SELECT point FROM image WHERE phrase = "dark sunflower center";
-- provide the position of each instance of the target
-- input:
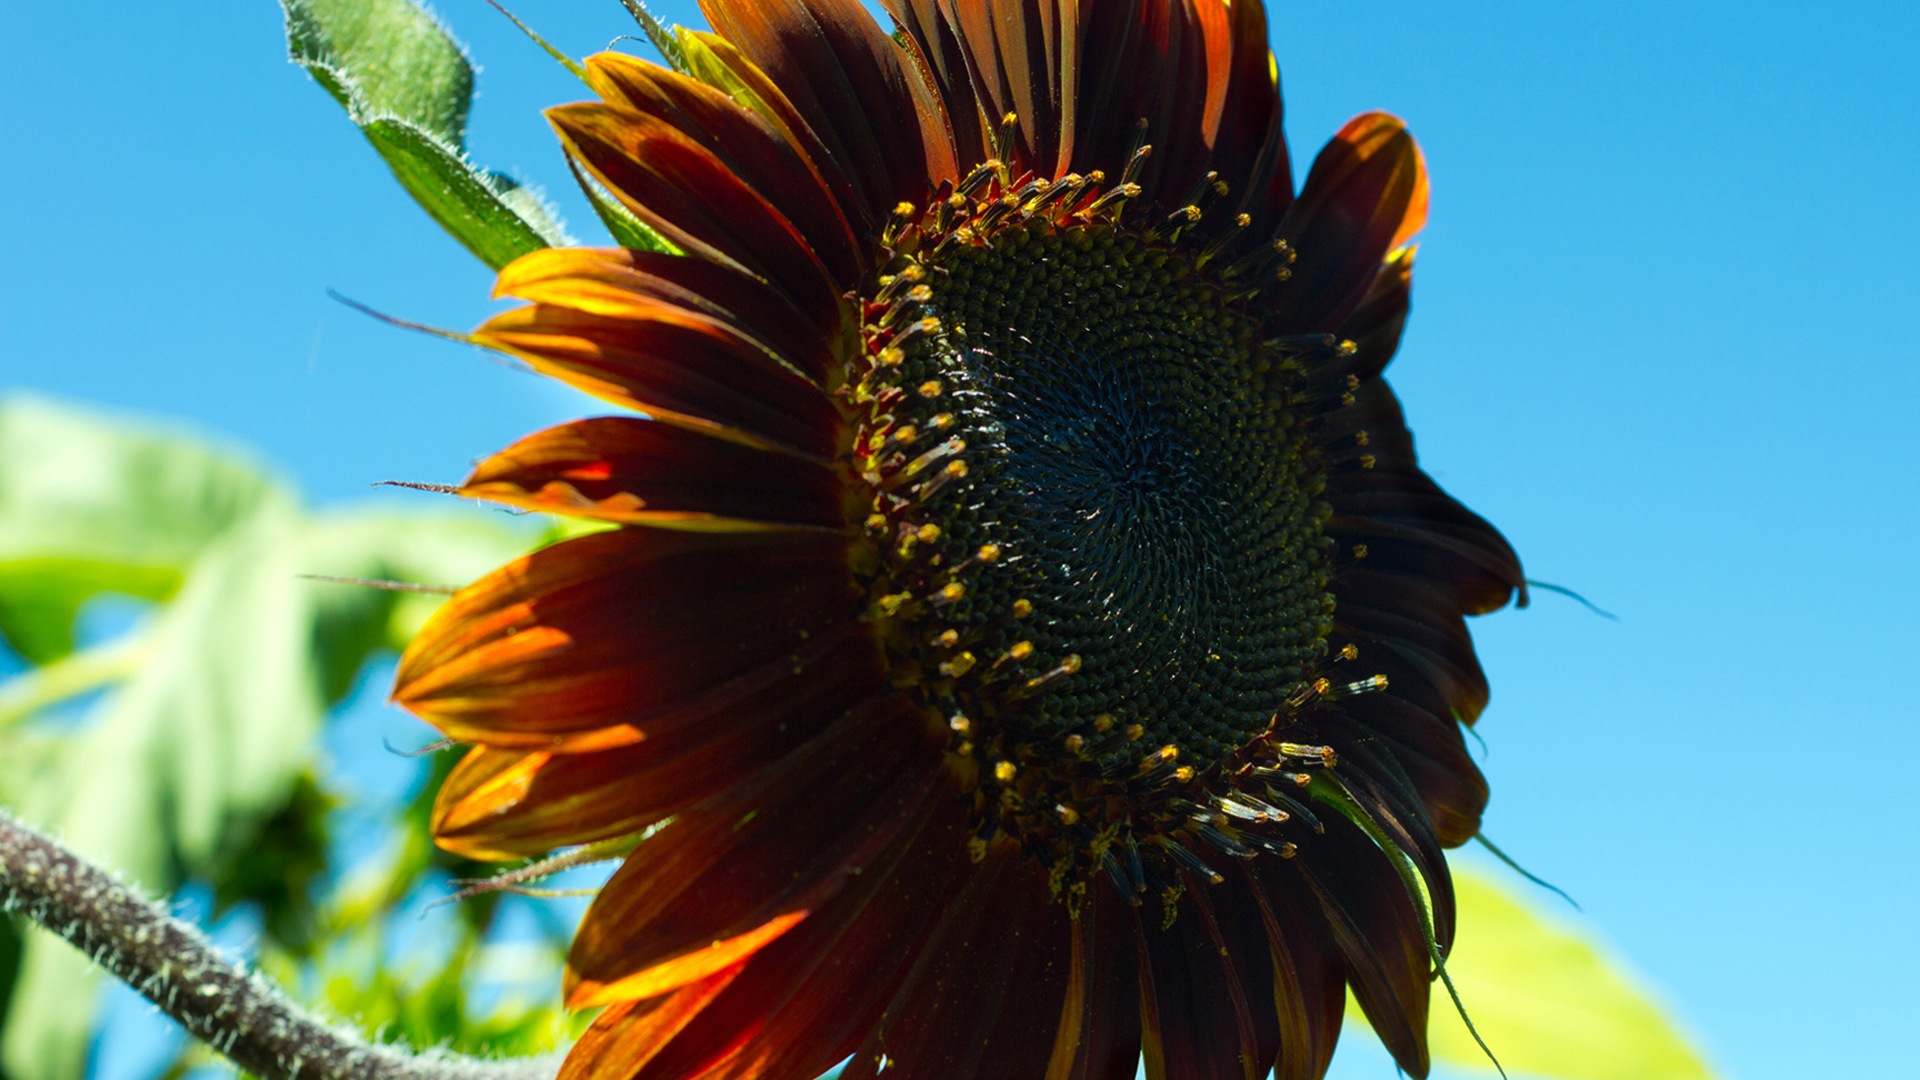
(1133, 527)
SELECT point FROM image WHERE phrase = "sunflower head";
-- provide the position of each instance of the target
(1028, 640)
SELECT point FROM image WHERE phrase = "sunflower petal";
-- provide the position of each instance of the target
(1309, 986)
(745, 141)
(642, 472)
(807, 1000)
(1365, 196)
(625, 1037)
(1200, 1010)
(727, 877)
(624, 284)
(691, 197)
(507, 803)
(852, 85)
(677, 365)
(616, 636)
(1379, 933)
(985, 989)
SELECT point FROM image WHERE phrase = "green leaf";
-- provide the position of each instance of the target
(386, 58)
(407, 84)
(1550, 1001)
(490, 215)
(92, 504)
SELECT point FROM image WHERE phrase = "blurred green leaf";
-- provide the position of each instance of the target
(88, 506)
(407, 85)
(206, 738)
(1549, 1000)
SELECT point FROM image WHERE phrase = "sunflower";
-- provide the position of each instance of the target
(1026, 640)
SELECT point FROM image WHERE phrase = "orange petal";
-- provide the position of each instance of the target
(1365, 197)
(749, 144)
(625, 1037)
(642, 472)
(853, 87)
(674, 364)
(503, 803)
(681, 189)
(642, 628)
(724, 878)
(622, 284)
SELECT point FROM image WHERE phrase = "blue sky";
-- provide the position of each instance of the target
(1663, 336)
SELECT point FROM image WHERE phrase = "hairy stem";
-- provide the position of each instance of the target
(173, 965)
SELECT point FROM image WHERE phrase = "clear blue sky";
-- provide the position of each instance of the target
(1664, 336)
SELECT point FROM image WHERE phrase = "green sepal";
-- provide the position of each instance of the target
(623, 224)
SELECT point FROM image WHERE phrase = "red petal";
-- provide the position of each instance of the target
(500, 804)
(642, 472)
(807, 1000)
(624, 1037)
(1099, 1036)
(727, 877)
(622, 284)
(1365, 196)
(639, 631)
(984, 997)
(680, 188)
(852, 85)
(1310, 989)
(746, 142)
(1199, 1021)
(1378, 931)
(676, 365)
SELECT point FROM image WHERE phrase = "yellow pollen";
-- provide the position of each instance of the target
(913, 272)
(928, 533)
(988, 553)
(1169, 752)
(1192, 212)
(928, 325)
(959, 723)
(942, 422)
(906, 435)
(958, 202)
(948, 639)
(1103, 723)
(1068, 815)
(930, 388)
(1348, 348)
(891, 605)
(1359, 551)
(905, 209)
(1134, 732)
(1243, 220)
(958, 666)
(920, 294)
(1184, 774)
(1021, 650)
(1072, 664)
(1075, 743)
(891, 356)
(1349, 651)
(956, 469)
(1353, 381)
(1362, 438)
(1022, 608)
(1321, 686)
(1005, 771)
(877, 522)
(952, 591)
(1282, 274)
(1368, 461)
